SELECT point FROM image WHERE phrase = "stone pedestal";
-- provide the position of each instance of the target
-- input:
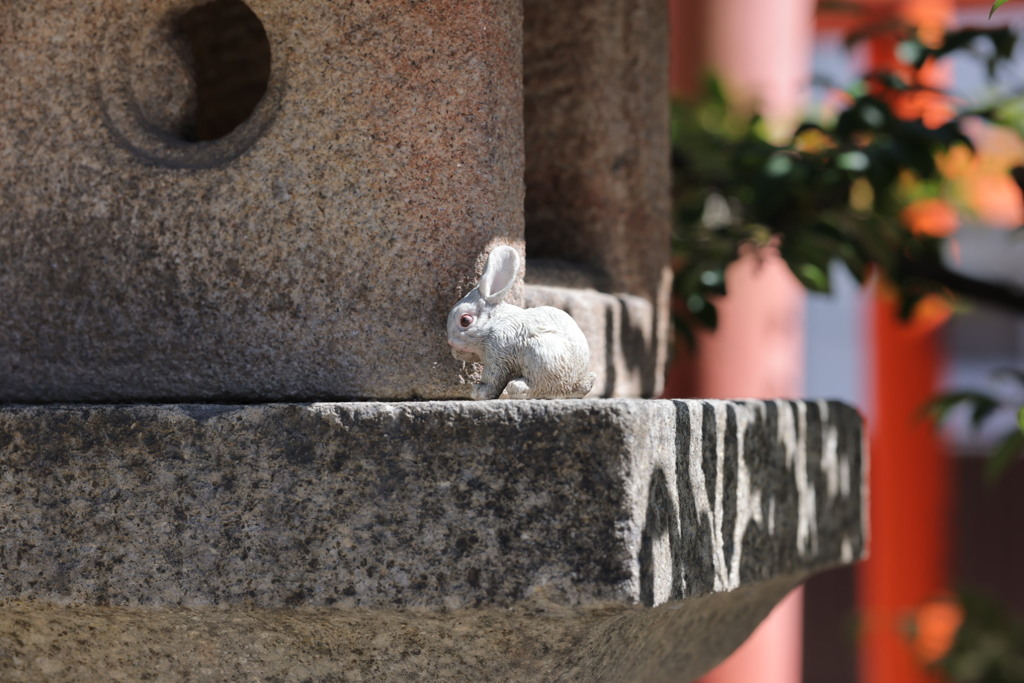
(505, 539)
(263, 201)
(310, 245)
(311, 252)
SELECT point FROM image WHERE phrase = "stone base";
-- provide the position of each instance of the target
(527, 643)
(391, 540)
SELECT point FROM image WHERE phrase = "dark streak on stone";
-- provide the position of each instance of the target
(695, 530)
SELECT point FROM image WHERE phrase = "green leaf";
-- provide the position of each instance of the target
(854, 261)
(813, 277)
(714, 280)
(911, 51)
(683, 328)
(703, 310)
(709, 316)
(996, 5)
(939, 407)
(1020, 419)
(778, 165)
(1004, 454)
(854, 160)
(982, 410)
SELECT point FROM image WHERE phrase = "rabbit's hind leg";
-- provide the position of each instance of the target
(518, 388)
(584, 386)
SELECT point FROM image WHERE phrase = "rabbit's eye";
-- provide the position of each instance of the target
(466, 320)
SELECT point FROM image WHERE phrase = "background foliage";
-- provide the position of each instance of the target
(835, 190)
(845, 189)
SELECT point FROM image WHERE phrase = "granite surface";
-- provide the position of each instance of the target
(596, 117)
(312, 252)
(508, 540)
(432, 504)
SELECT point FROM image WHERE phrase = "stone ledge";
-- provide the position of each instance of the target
(526, 643)
(440, 505)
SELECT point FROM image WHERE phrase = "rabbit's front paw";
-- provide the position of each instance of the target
(484, 392)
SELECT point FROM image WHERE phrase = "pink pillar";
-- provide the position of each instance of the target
(757, 352)
(758, 349)
(762, 53)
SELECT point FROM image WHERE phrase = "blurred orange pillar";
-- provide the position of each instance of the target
(762, 53)
(910, 477)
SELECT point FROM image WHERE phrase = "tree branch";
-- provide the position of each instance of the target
(1002, 295)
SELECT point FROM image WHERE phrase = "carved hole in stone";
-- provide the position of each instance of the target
(229, 55)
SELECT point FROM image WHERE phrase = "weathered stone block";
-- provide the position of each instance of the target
(311, 252)
(596, 113)
(538, 535)
(596, 104)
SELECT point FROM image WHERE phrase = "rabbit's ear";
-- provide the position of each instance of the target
(499, 274)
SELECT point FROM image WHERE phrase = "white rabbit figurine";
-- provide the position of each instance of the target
(528, 353)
